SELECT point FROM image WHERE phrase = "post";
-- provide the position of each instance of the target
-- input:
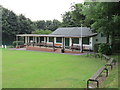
(70, 40)
(46, 41)
(81, 50)
(63, 42)
(106, 72)
(87, 83)
(53, 43)
(35, 39)
(97, 83)
(26, 39)
(38, 39)
(16, 40)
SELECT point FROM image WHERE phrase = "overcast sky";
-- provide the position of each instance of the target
(39, 9)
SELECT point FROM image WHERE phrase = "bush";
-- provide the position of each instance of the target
(96, 46)
(105, 49)
(18, 43)
(116, 47)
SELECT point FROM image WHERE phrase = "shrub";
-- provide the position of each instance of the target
(18, 43)
(116, 47)
(105, 49)
(96, 46)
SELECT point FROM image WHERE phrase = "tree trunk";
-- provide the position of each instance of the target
(112, 41)
(107, 38)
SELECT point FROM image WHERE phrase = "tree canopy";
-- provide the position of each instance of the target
(13, 24)
(105, 17)
(42, 31)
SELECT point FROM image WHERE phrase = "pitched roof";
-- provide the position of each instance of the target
(73, 31)
(66, 32)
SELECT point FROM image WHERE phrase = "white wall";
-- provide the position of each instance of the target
(99, 38)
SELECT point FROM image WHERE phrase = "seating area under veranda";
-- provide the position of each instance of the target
(53, 43)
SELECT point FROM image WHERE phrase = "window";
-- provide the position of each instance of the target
(58, 39)
(75, 40)
(51, 39)
(30, 38)
(85, 40)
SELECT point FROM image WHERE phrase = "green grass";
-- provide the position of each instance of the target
(30, 69)
(112, 80)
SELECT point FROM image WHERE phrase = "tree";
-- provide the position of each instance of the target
(41, 24)
(77, 17)
(25, 25)
(103, 15)
(42, 32)
(13, 24)
(55, 24)
(73, 18)
(67, 19)
(9, 25)
(48, 24)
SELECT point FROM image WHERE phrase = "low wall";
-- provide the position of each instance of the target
(57, 50)
(39, 49)
(72, 52)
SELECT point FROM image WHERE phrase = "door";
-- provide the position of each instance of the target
(66, 41)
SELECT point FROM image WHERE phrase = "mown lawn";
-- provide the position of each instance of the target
(30, 69)
(112, 80)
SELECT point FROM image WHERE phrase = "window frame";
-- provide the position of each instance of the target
(58, 41)
(83, 40)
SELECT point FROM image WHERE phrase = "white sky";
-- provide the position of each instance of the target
(39, 9)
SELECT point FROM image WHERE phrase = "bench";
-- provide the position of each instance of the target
(39, 44)
(106, 57)
(58, 45)
(110, 63)
(76, 47)
(96, 75)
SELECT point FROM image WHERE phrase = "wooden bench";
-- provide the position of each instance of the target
(40, 44)
(110, 63)
(106, 57)
(58, 45)
(76, 47)
(96, 75)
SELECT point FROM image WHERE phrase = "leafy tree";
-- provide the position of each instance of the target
(41, 24)
(55, 25)
(25, 25)
(9, 25)
(42, 32)
(50, 25)
(13, 24)
(105, 17)
(77, 17)
(73, 18)
(67, 19)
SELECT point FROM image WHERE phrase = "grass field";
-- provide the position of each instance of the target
(112, 80)
(30, 69)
